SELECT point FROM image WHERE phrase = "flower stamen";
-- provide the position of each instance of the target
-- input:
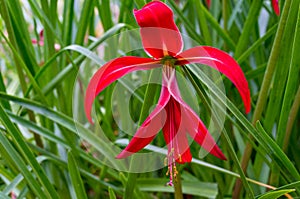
(172, 169)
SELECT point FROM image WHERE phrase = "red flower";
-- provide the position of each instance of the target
(208, 3)
(162, 41)
(276, 7)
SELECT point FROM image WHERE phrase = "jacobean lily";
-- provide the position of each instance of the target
(163, 42)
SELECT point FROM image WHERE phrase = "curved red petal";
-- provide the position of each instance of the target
(276, 7)
(191, 123)
(208, 3)
(174, 133)
(199, 133)
(160, 35)
(221, 61)
(150, 127)
(110, 72)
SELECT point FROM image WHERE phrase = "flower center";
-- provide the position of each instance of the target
(168, 60)
(172, 170)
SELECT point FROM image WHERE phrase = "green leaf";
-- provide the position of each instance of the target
(111, 193)
(275, 194)
(105, 147)
(266, 142)
(27, 154)
(75, 177)
(202, 189)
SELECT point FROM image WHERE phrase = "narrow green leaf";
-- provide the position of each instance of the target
(111, 193)
(75, 177)
(26, 153)
(276, 194)
(202, 189)
(105, 147)
(266, 142)
(140, 3)
(83, 22)
(292, 81)
(105, 14)
(5, 104)
(12, 154)
(186, 22)
(66, 71)
(248, 26)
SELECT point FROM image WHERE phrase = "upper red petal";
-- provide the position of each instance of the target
(221, 61)
(160, 35)
(276, 7)
(150, 127)
(110, 72)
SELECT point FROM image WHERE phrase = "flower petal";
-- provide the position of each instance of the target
(208, 3)
(191, 122)
(164, 37)
(221, 61)
(276, 7)
(200, 134)
(150, 127)
(174, 133)
(110, 72)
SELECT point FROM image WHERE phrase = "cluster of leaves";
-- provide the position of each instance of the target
(45, 153)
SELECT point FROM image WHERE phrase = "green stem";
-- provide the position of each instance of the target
(291, 119)
(263, 94)
(178, 187)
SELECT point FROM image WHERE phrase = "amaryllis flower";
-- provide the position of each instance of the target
(163, 42)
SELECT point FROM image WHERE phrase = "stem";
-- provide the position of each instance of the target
(178, 187)
(291, 119)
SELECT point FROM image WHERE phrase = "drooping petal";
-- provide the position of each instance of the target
(192, 123)
(112, 71)
(276, 7)
(175, 133)
(199, 133)
(150, 127)
(221, 61)
(160, 35)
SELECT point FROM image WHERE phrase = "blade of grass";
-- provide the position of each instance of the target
(266, 142)
(103, 146)
(247, 28)
(289, 93)
(75, 177)
(48, 190)
(263, 93)
(83, 22)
